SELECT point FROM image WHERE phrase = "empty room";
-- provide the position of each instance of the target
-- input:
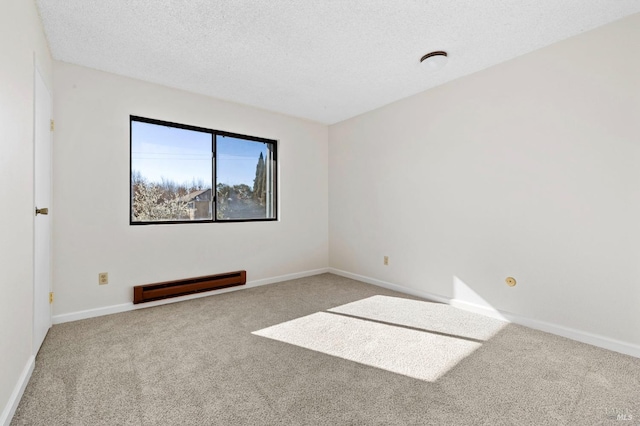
(319, 212)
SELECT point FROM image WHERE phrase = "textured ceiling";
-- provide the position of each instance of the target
(323, 60)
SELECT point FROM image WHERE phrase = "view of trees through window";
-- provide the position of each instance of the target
(244, 185)
(175, 167)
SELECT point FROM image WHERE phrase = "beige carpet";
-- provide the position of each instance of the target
(357, 355)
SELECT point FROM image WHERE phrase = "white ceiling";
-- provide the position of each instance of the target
(322, 60)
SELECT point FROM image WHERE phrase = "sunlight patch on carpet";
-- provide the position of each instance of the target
(428, 316)
(435, 343)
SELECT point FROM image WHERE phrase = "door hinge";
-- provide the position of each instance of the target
(50, 297)
(53, 125)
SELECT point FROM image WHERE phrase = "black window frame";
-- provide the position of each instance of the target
(214, 171)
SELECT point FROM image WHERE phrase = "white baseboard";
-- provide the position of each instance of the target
(129, 306)
(91, 313)
(390, 286)
(560, 330)
(18, 390)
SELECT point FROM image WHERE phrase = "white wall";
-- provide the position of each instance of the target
(91, 194)
(22, 35)
(528, 169)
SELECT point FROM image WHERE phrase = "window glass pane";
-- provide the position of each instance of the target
(171, 171)
(245, 179)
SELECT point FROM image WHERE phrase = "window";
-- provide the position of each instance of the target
(175, 169)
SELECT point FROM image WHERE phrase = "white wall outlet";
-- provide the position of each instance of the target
(386, 260)
(103, 278)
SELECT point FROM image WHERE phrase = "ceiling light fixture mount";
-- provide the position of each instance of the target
(434, 61)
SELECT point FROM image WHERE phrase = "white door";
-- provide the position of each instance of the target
(42, 220)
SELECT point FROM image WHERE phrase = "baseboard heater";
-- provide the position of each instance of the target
(168, 289)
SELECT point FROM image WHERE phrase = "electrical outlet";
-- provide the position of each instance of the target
(103, 278)
(386, 260)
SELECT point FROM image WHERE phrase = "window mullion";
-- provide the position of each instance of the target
(214, 177)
